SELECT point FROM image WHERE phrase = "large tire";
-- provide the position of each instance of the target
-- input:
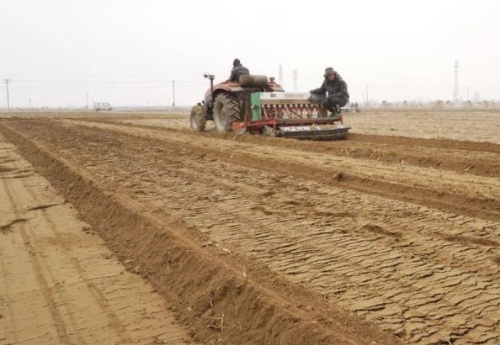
(198, 118)
(226, 111)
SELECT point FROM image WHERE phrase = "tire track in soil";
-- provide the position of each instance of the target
(44, 273)
(5, 284)
(100, 300)
(65, 247)
(35, 261)
(349, 246)
(38, 231)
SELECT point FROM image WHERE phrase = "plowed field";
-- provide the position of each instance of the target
(376, 239)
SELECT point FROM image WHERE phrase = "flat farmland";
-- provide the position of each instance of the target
(477, 125)
(389, 237)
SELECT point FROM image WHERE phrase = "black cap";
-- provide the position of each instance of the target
(329, 70)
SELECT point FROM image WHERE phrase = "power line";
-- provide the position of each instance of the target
(95, 81)
(102, 84)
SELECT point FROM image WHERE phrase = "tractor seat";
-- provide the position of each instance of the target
(253, 81)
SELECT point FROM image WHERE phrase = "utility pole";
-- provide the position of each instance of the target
(468, 93)
(30, 104)
(366, 94)
(173, 94)
(455, 89)
(87, 94)
(7, 82)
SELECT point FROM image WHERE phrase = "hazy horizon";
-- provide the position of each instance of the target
(128, 52)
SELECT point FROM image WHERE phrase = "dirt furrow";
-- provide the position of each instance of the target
(427, 276)
(222, 297)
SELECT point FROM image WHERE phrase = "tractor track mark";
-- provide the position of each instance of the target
(51, 280)
(75, 265)
(42, 273)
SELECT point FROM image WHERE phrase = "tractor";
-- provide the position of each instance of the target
(257, 105)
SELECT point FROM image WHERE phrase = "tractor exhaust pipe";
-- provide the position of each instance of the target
(211, 77)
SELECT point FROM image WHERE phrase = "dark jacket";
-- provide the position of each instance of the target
(237, 72)
(337, 88)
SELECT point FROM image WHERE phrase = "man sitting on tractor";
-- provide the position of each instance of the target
(238, 70)
(337, 91)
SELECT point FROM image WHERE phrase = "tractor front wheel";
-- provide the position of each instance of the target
(226, 111)
(198, 119)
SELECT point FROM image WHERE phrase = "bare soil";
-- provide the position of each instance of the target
(473, 125)
(59, 283)
(378, 239)
(457, 125)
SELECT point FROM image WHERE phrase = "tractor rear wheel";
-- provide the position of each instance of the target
(226, 111)
(198, 119)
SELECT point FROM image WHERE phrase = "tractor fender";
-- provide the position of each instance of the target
(225, 86)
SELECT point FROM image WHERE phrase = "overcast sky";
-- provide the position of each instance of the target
(126, 52)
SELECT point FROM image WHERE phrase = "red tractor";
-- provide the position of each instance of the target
(259, 106)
